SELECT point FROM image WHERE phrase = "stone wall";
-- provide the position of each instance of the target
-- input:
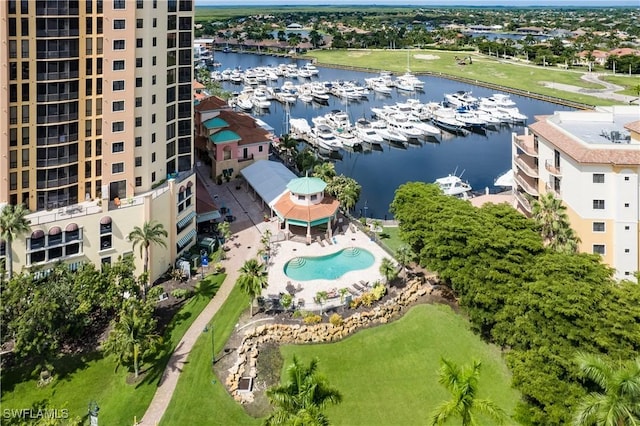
(247, 352)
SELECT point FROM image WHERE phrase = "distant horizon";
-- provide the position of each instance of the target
(418, 3)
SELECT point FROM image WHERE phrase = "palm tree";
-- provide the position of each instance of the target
(462, 383)
(289, 147)
(388, 269)
(133, 337)
(301, 400)
(325, 171)
(619, 405)
(151, 233)
(555, 229)
(13, 224)
(320, 298)
(224, 229)
(252, 279)
(404, 256)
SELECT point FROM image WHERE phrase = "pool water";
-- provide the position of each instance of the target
(328, 267)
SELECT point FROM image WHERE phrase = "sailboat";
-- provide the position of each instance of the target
(409, 81)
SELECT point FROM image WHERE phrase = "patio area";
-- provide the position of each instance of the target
(305, 291)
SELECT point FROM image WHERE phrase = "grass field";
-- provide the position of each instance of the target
(388, 375)
(483, 69)
(200, 398)
(629, 82)
(390, 238)
(85, 378)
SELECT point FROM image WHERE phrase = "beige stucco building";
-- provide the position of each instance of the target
(590, 160)
(97, 126)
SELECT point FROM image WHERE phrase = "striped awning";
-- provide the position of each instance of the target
(186, 239)
(185, 220)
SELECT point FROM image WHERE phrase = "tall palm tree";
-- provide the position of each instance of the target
(301, 400)
(252, 279)
(462, 383)
(325, 171)
(151, 233)
(388, 269)
(555, 229)
(13, 224)
(619, 404)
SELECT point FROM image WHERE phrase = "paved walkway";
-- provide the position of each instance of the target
(607, 92)
(246, 229)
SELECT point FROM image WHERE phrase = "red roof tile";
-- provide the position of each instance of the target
(245, 126)
(287, 208)
(212, 103)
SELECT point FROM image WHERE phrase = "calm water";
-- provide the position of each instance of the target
(479, 158)
(329, 267)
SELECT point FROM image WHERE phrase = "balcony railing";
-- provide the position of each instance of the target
(552, 168)
(528, 188)
(523, 201)
(525, 143)
(526, 168)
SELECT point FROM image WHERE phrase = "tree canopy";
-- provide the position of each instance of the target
(540, 304)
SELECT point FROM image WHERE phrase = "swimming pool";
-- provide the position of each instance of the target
(328, 267)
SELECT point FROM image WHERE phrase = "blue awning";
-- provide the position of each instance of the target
(185, 220)
(186, 239)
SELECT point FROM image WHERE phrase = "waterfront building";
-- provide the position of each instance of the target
(97, 127)
(228, 140)
(591, 161)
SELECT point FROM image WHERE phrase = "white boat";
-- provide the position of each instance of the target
(460, 98)
(454, 186)
(366, 133)
(348, 137)
(502, 100)
(426, 128)
(323, 137)
(310, 68)
(388, 134)
(505, 180)
(469, 119)
(403, 126)
(244, 103)
(381, 87)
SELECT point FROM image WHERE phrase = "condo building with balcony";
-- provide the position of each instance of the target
(96, 127)
(591, 161)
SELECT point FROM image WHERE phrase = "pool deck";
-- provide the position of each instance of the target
(284, 251)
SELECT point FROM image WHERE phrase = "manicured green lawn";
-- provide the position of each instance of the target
(92, 377)
(388, 374)
(629, 82)
(200, 397)
(390, 238)
(483, 68)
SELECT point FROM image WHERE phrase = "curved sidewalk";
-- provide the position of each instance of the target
(244, 244)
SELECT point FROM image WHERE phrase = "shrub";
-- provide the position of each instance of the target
(297, 314)
(312, 319)
(336, 320)
(378, 291)
(181, 293)
(286, 300)
(368, 298)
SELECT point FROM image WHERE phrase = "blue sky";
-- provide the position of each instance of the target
(592, 3)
